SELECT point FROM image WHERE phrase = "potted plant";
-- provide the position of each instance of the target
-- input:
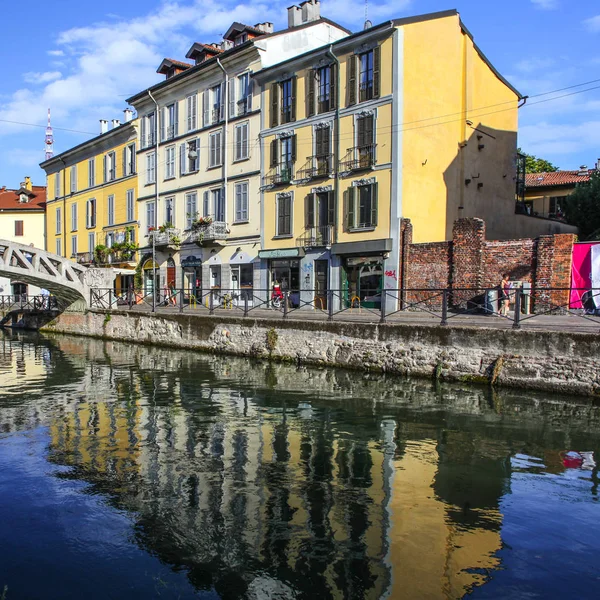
(100, 253)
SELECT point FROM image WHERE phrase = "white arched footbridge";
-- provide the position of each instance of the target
(65, 279)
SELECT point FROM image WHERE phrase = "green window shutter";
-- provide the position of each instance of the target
(293, 109)
(330, 209)
(310, 95)
(332, 86)
(360, 131)
(280, 215)
(274, 104)
(351, 71)
(351, 208)
(376, 71)
(293, 147)
(374, 205)
(274, 153)
(309, 210)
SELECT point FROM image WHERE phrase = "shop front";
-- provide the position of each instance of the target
(151, 279)
(191, 278)
(284, 270)
(241, 265)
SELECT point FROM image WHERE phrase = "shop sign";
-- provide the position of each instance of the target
(283, 253)
(191, 261)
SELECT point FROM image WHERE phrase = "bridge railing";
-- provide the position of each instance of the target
(27, 302)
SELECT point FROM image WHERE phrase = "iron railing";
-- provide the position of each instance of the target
(215, 231)
(315, 237)
(359, 158)
(282, 174)
(26, 302)
(168, 237)
(316, 166)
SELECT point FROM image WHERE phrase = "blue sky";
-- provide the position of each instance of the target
(84, 63)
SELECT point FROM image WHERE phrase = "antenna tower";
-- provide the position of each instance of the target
(49, 139)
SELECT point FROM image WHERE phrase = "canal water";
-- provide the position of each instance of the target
(136, 472)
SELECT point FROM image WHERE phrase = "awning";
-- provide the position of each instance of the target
(362, 248)
(124, 271)
(282, 253)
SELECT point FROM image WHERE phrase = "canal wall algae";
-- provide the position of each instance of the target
(549, 361)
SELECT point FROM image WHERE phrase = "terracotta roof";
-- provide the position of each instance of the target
(167, 63)
(178, 63)
(537, 180)
(9, 199)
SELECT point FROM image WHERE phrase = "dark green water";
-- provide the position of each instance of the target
(135, 472)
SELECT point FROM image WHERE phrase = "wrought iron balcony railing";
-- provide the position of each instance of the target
(217, 115)
(359, 158)
(282, 174)
(148, 140)
(167, 238)
(242, 106)
(317, 166)
(316, 236)
(213, 232)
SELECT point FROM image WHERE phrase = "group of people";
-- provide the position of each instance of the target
(170, 294)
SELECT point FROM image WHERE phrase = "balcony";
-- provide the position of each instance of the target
(148, 140)
(170, 132)
(215, 232)
(84, 258)
(316, 167)
(315, 237)
(282, 174)
(167, 238)
(359, 158)
(242, 107)
(217, 116)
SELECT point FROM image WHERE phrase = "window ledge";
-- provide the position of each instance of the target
(169, 178)
(283, 236)
(360, 229)
(241, 222)
(211, 168)
(239, 160)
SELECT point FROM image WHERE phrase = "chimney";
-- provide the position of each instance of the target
(27, 183)
(294, 16)
(266, 27)
(598, 165)
(103, 126)
(311, 10)
(128, 115)
(115, 123)
(583, 170)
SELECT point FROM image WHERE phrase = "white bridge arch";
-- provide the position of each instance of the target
(65, 279)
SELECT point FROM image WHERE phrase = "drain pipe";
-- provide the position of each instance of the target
(225, 136)
(64, 215)
(156, 130)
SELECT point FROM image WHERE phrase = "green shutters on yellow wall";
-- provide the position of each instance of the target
(274, 104)
(376, 71)
(310, 94)
(293, 106)
(351, 71)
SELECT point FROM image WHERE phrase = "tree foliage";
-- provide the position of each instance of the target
(533, 164)
(582, 208)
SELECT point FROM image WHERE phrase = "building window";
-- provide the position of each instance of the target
(363, 76)
(91, 172)
(58, 247)
(170, 125)
(110, 167)
(361, 212)
(215, 149)
(170, 162)
(73, 179)
(283, 155)
(130, 206)
(150, 168)
(320, 210)
(321, 88)
(241, 202)
(365, 142)
(192, 110)
(58, 221)
(148, 133)
(90, 213)
(73, 217)
(191, 209)
(244, 104)
(217, 104)
(189, 156)
(170, 210)
(284, 214)
(129, 160)
(322, 160)
(57, 185)
(557, 207)
(111, 210)
(283, 102)
(218, 204)
(241, 141)
(91, 241)
(19, 228)
(150, 215)
(73, 246)
(240, 39)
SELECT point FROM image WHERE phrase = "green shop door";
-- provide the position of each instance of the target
(363, 281)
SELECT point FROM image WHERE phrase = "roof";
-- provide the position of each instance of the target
(557, 178)
(237, 28)
(197, 48)
(167, 63)
(9, 199)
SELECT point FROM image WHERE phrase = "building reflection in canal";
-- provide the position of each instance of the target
(237, 473)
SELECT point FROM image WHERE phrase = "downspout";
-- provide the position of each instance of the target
(64, 215)
(225, 136)
(156, 130)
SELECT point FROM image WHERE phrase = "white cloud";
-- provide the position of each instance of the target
(38, 78)
(531, 64)
(593, 24)
(56, 53)
(546, 4)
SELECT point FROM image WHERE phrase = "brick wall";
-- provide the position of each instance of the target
(470, 261)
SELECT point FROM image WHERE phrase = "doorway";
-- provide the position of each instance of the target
(364, 281)
(321, 283)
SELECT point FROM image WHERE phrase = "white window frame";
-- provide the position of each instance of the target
(151, 203)
(91, 215)
(91, 172)
(130, 205)
(241, 206)
(217, 195)
(74, 216)
(191, 208)
(170, 155)
(58, 247)
(129, 160)
(150, 168)
(170, 200)
(191, 104)
(58, 220)
(215, 145)
(73, 175)
(110, 210)
(192, 166)
(241, 141)
(73, 246)
(57, 185)
(110, 173)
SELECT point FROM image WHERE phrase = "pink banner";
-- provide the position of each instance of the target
(581, 272)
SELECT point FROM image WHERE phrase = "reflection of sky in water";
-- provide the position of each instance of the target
(128, 471)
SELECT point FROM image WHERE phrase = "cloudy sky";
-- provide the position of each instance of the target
(84, 62)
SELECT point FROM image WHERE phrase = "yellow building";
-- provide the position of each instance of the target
(22, 220)
(92, 190)
(395, 122)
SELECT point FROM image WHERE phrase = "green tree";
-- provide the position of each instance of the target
(582, 208)
(533, 164)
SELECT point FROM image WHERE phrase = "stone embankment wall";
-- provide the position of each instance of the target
(561, 362)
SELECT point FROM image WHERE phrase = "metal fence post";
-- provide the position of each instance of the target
(285, 304)
(211, 304)
(181, 300)
(517, 320)
(444, 307)
(246, 305)
(383, 299)
(91, 297)
(330, 305)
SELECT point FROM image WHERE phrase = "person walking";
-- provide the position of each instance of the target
(172, 293)
(504, 295)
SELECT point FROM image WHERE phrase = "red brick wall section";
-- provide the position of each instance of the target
(515, 257)
(553, 269)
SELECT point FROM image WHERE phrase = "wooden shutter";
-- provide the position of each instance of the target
(249, 93)
(87, 213)
(205, 108)
(293, 103)
(222, 105)
(19, 228)
(330, 208)
(274, 104)
(309, 211)
(376, 71)
(143, 132)
(310, 95)
(351, 208)
(351, 80)
(231, 97)
(280, 215)
(294, 148)
(287, 205)
(274, 149)
(105, 169)
(125, 161)
(176, 119)
(182, 161)
(206, 203)
(374, 205)
(332, 87)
